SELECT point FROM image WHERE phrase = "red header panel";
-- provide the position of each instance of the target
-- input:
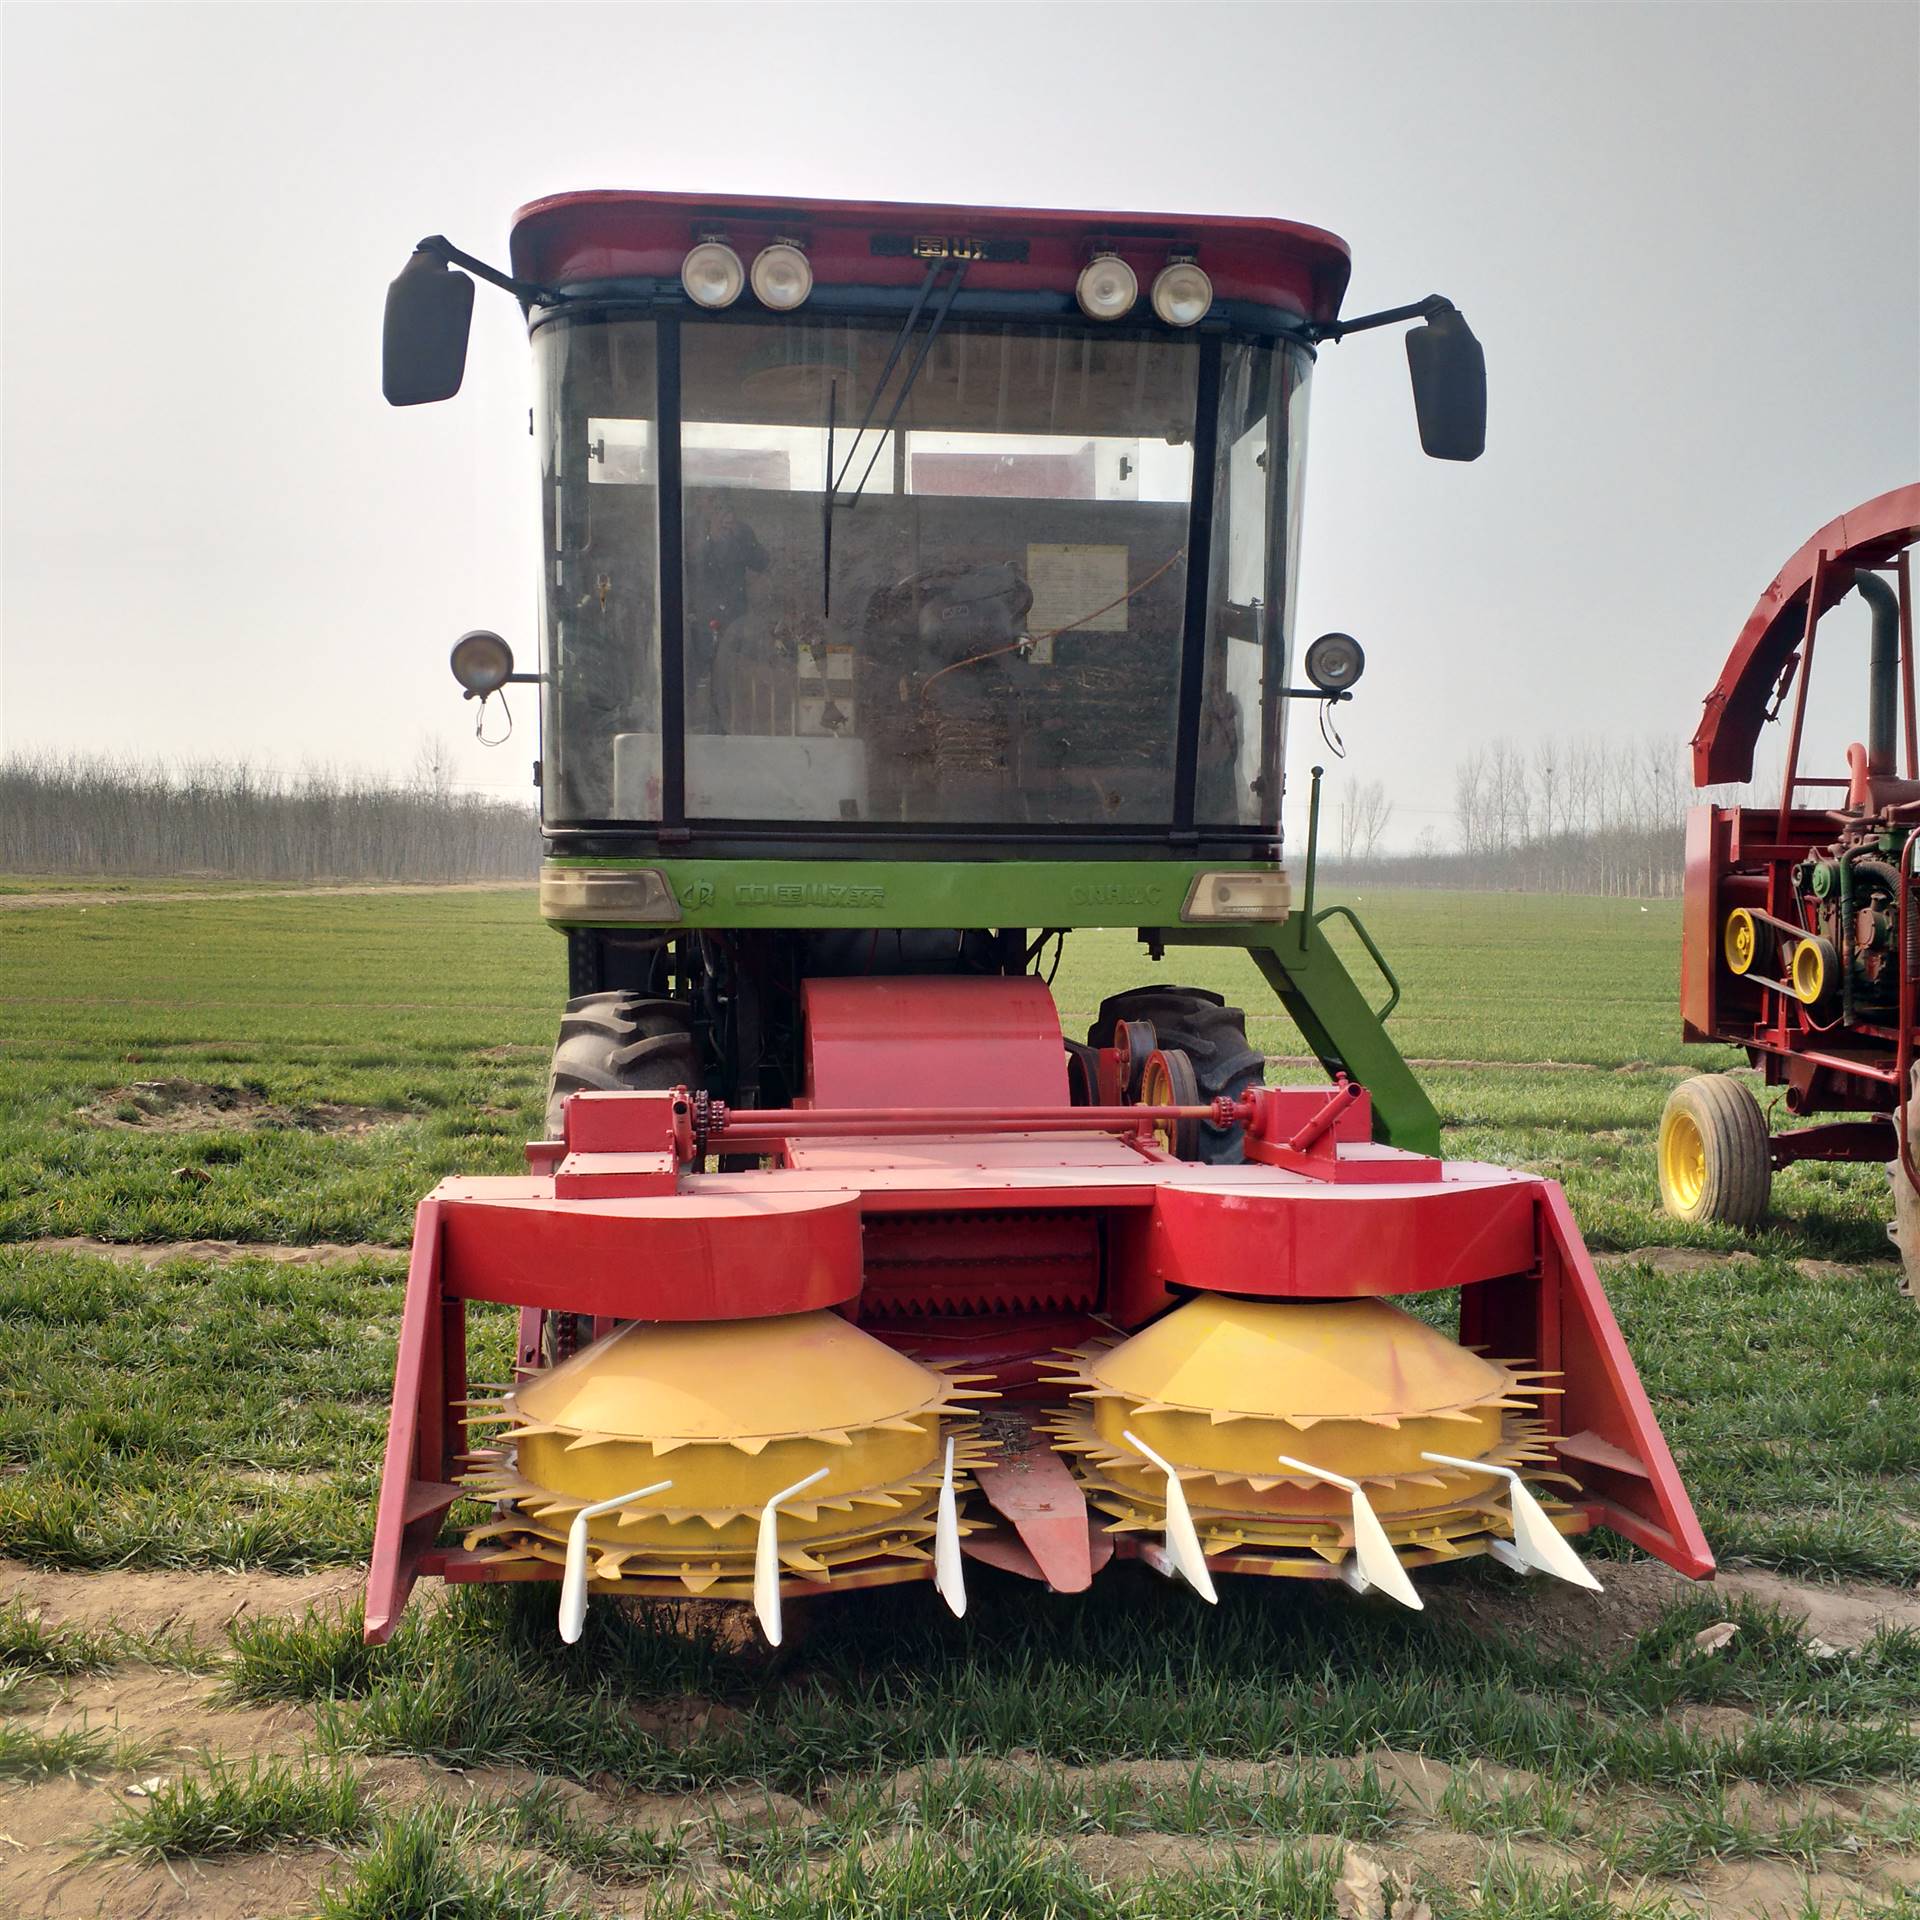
(575, 237)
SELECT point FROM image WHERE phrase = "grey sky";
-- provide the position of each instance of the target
(1689, 237)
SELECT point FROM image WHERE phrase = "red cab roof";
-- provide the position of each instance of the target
(575, 238)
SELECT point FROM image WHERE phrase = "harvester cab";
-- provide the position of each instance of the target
(918, 589)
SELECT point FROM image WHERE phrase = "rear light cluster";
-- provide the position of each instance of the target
(781, 278)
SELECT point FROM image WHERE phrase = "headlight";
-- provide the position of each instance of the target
(1334, 662)
(712, 274)
(601, 896)
(1108, 287)
(482, 662)
(1262, 895)
(781, 276)
(1181, 294)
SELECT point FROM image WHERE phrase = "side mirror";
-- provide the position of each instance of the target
(424, 341)
(1449, 386)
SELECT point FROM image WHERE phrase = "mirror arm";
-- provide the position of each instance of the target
(1434, 303)
(529, 293)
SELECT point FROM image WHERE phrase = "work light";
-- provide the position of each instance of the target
(482, 662)
(1108, 287)
(1334, 662)
(781, 276)
(712, 274)
(1181, 293)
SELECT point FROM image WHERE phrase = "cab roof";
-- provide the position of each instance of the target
(575, 240)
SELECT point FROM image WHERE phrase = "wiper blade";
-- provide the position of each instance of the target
(834, 481)
(913, 374)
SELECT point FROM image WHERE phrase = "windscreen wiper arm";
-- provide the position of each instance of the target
(900, 340)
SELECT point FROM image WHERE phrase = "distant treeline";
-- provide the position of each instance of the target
(1575, 816)
(62, 814)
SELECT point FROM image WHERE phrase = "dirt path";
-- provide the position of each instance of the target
(10, 902)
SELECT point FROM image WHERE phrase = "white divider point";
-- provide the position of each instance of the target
(573, 1583)
(1183, 1543)
(948, 1580)
(1538, 1544)
(1375, 1564)
(766, 1558)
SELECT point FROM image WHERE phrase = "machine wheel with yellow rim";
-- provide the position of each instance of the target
(1715, 1163)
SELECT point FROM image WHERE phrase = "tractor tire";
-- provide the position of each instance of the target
(621, 1043)
(1714, 1160)
(1211, 1034)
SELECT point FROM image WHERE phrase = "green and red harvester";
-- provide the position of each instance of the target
(917, 585)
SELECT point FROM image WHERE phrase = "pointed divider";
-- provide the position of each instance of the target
(766, 1558)
(1374, 1563)
(573, 1583)
(1538, 1545)
(1183, 1543)
(948, 1580)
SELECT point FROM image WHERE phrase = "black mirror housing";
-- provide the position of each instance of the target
(424, 339)
(1449, 372)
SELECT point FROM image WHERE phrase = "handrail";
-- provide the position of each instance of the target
(1382, 1014)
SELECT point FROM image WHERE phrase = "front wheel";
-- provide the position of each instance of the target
(1715, 1162)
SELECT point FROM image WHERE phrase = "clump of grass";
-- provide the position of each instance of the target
(29, 1646)
(226, 1811)
(27, 1753)
(421, 1868)
(323, 1655)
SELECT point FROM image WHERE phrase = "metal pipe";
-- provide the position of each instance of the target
(1883, 669)
(1313, 856)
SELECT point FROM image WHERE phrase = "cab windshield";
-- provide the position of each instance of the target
(989, 627)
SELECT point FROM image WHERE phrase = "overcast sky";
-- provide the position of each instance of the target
(1689, 237)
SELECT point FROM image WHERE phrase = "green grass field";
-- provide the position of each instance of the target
(298, 1070)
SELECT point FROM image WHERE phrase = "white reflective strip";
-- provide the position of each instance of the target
(573, 1583)
(1538, 1544)
(1375, 1564)
(1183, 1543)
(766, 1559)
(948, 1580)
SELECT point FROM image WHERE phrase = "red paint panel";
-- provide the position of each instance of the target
(936, 1042)
(571, 238)
(686, 1257)
(415, 1423)
(1315, 1240)
(1033, 1487)
(1736, 709)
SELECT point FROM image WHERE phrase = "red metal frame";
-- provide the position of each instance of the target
(626, 1224)
(1745, 857)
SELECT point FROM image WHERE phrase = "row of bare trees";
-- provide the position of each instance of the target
(75, 813)
(1584, 815)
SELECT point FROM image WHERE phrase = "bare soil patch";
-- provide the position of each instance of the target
(158, 1253)
(200, 1106)
(199, 1604)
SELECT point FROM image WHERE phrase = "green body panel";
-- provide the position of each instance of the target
(1305, 971)
(1333, 1015)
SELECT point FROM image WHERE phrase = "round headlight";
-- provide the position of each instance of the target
(1181, 294)
(482, 662)
(781, 277)
(712, 274)
(1107, 287)
(1334, 662)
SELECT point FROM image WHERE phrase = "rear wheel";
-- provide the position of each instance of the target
(1212, 1036)
(1714, 1159)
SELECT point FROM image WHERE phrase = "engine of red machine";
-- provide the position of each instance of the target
(917, 593)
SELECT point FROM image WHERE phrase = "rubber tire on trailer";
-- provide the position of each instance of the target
(621, 1043)
(1211, 1034)
(1713, 1156)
